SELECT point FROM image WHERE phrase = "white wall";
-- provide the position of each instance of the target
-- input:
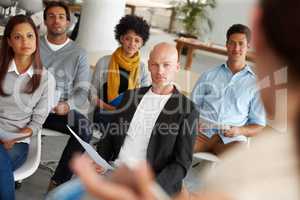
(227, 13)
(98, 19)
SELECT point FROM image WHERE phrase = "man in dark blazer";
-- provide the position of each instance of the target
(153, 123)
(170, 147)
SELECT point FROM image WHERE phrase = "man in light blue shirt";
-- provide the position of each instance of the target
(228, 98)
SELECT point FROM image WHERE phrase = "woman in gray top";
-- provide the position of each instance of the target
(25, 91)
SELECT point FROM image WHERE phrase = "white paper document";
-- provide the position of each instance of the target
(91, 152)
(211, 124)
(6, 136)
(240, 138)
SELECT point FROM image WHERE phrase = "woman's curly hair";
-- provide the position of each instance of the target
(132, 23)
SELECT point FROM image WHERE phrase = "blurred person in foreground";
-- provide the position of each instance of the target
(270, 168)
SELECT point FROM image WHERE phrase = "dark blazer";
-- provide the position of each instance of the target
(170, 148)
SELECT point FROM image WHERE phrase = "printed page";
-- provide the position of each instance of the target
(92, 152)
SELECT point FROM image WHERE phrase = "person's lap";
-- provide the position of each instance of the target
(10, 160)
(213, 145)
(71, 190)
(18, 154)
(74, 119)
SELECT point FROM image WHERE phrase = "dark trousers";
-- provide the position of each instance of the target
(81, 126)
(102, 118)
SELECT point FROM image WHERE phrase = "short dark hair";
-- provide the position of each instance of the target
(132, 23)
(61, 4)
(239, 28)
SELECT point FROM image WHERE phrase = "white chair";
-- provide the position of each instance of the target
(47, 164)
(210, 157)
(31, 6)
(205, 156)
(33, 159)
(6, 3)
(49, 132)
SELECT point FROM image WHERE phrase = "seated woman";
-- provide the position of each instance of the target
(25, 91)
(122, 70)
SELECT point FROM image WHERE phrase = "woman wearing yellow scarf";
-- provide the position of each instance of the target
(122, 70)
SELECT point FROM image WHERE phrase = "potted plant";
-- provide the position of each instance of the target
(194, 16)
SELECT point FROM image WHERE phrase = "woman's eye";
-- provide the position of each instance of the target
(17, 37)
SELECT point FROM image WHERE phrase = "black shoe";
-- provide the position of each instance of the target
(18, 185)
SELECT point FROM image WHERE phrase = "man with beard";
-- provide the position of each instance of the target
(69, 64)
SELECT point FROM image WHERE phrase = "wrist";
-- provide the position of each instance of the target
(241, 130)
(26, 130)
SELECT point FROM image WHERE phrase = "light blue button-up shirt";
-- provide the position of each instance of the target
(229, 99)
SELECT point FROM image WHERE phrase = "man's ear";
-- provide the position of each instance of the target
(68, 23)
(248, 45)
(149, 65)
(44, 20)
(177, 66)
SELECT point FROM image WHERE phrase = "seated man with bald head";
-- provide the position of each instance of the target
(153, 123)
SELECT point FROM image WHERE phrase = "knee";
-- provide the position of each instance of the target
(85, 129)
(200, 146)
(71, 190)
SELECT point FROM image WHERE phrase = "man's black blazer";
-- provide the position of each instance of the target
(170, 148)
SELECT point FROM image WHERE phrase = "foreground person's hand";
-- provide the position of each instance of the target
(123, 184)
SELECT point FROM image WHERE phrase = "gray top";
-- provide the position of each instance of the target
(70, 67)
(19, 109)
(100, 77)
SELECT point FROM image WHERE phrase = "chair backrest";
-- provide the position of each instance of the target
(49, 132)
(32, 6)
(206, 156)
(6, 3)
(33, 159)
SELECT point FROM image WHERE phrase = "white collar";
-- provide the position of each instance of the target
(13, 68)
(56, 47)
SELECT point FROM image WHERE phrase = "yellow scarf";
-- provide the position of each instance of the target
(118, 59)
